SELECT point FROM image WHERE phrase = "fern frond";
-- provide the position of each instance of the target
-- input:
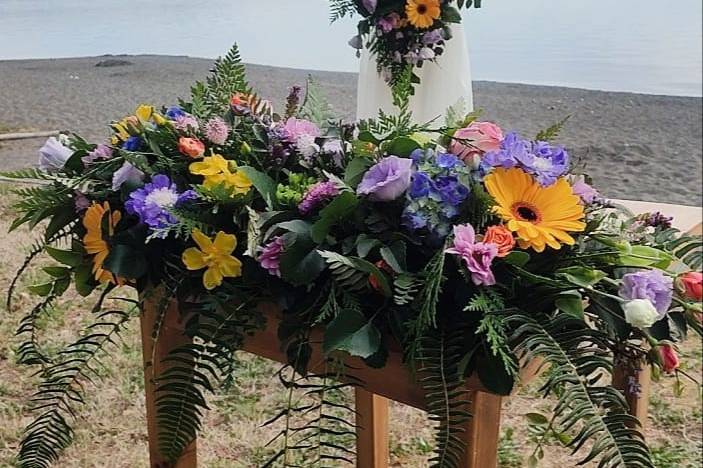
(341, 8)
(405, 287)
(350, 273)
(315, 108)
(62, 389)
(227, 78)
(550, 133)
(579, 358)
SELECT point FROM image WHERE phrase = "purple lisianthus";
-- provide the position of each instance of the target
(153, 202)
(585, 192)
(648, 284)
(387, 180)
(126, 173)
(53, 155)
(132, 143)
(432, 37)
(270, 256)
(100, 153)
(174, 112)
(478, 256)
(317, 195)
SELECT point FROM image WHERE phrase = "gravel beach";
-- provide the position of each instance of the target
(635, 146)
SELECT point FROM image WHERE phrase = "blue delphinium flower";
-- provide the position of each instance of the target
(173, 112)
(154, 202)
(544, 161)
(132, 143)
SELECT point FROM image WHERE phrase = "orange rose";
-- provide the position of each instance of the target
(500, 236)
(191, 147)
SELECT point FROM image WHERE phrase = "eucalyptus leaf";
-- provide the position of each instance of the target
(264, 184)
(352, 332)
(338, 209)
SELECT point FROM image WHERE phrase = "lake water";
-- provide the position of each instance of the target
(646, 46)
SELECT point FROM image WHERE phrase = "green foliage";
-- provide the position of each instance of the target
(550, 133)
(494, 327)
(341, 8)
(62, 389)
(579, 357)
(433, 277)
(316, 108)
(687, 249)
(444, 394)
(227, 78)
(405, 288)
(352, 332)
(352, 273)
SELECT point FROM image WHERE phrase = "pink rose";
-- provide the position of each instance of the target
(480, 137)
(669, 358)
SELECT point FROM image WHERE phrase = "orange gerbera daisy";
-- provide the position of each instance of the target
(539, 216)
(94, 241)
(422, 13)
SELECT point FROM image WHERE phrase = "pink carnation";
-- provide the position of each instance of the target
(478, 256)
(296, 128)
(217, 131)
(317, 195)
(270, 258)
(479, 138)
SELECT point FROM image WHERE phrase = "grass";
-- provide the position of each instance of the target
(111, 430)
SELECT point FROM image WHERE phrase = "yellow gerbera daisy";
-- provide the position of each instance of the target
(94, 241)
(215, 255)
(540, 216)
(216, 170)
(422, 13)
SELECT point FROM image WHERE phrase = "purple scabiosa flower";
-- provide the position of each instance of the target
(174, 112)
(545, 162)
(100, 153)
(270, 256)
(316, 195)
(153, 202)
(511, 148)
(53, 155)
(652, 285)
(585, 192)
(127, 173)
(217, 131)
(477, 256)
(186, 123)
(133, 143)
(432, 37)
(387, 180)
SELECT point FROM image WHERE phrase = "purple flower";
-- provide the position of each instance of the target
(153, 202)
(421, 185)
(270, 258)
(53, 155)
(648, 284)
(656, 219)
(413, 220)
(174, 112)
(80, 201)
(217, 131)
(511, 148)
(317, 195)
(447, 160)
(127, 173)
(387, 180)
(186, 123)
(296, 128)
(432, 37)
(101, 152)
(133, 143)
(585, 192)
(451, 190)
(370, 5)
(477, 256)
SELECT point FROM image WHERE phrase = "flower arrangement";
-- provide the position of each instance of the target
(471, 247)
(402, 34)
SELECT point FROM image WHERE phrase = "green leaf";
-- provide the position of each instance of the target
(61, 218)
(394, 256)
(355, 170)
(338, 209)
(264, 184)
(57, 272)
(43, 289)
(537, 419)
(571, 303)
(84, 279)
(494, 376)
(65, 257)
(368, 137)
(350, 331)
(517, 258)
(403, 146)
(644, 256)
(126, 262)
(365, 244)
(581, 276)
(301, 264)
(451, 15)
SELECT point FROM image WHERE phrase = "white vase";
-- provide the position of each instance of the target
(444, 83)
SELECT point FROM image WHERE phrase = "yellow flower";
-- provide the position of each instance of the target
(422, 13)
(217, 171)
(215, 255)
(540, 216)
(94, 242)
(144, 112)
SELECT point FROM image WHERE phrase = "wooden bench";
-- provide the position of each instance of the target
(393, 382)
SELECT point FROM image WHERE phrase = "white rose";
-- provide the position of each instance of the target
(640, 313)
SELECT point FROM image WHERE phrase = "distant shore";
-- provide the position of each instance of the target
(635, 146)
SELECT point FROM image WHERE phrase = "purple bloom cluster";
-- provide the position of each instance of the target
(270, 258)
(153, 202)
(174, 112)
(101, 152)
(544, 161)
(317, 195)
(651, 285)
(656, 219)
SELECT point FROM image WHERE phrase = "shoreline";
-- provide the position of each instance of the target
(636, 146)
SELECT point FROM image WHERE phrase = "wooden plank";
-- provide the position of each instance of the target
(26, 135)
(482, 431)
(635, 381)
(372, 450)
(171, 336)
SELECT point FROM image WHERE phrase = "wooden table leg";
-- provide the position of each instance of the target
(634, 379)
(372, 430)
(170, 337)
(482, 431)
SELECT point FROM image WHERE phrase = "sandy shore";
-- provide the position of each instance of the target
(635, 146)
